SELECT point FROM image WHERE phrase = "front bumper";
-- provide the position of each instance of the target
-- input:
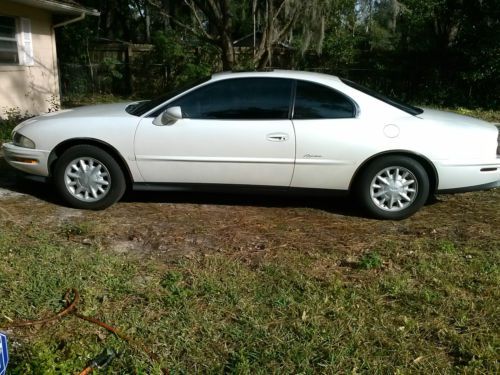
(27, 160)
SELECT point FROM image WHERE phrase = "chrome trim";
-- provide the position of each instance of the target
(192, 159)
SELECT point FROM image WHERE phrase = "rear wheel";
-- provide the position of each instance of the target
(393, 187)
(88, 177)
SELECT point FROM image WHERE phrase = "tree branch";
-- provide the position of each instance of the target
(200, 23)
(280, 7)
(288, 26)
(203, 34)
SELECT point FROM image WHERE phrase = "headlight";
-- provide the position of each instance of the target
(22, 141)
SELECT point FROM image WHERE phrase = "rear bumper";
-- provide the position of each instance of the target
(27, 160)
(489, 186)
(463, 177)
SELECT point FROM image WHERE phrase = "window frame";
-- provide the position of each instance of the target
(15, 39)
(354, 104)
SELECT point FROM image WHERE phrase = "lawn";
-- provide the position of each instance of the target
(246, 284)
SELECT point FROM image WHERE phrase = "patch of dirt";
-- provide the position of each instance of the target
(4, 193)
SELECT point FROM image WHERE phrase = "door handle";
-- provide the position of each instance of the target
(277, 137)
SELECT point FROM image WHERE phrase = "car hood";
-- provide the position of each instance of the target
(102, 110)
(92, 111)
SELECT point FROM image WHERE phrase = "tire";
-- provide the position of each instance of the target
(393, 187)
(87, 177)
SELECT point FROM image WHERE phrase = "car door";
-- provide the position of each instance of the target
(326, 129)
(233, 131)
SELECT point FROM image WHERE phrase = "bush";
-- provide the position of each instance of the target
(13, 116)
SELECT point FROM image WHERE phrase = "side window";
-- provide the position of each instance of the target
(315, 101)
(239, 99)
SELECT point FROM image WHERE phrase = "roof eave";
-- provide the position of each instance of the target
(59, 8)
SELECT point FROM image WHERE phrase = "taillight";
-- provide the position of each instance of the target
(498, 140)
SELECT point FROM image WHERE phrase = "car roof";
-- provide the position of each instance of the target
(277, 73)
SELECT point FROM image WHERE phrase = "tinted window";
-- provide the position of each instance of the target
(394, 102)
(315, 101)
(241, 98)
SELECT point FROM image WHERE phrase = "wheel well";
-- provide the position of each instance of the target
(426, 163)
(62, 147)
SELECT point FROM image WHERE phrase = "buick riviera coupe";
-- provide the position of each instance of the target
(277, 130)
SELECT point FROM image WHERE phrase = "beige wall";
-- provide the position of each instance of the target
(31, 88)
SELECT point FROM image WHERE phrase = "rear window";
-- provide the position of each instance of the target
(315, 101)
(394, 102)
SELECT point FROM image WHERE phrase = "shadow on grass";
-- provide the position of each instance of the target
(334, 204)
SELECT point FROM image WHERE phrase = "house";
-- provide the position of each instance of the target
(29, 79)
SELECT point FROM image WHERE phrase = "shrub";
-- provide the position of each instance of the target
(13, 116)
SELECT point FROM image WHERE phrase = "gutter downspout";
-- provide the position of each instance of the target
(73, 20)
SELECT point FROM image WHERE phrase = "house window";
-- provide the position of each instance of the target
(9, 53)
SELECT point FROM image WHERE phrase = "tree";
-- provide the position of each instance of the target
(442, 51)
(276, 21)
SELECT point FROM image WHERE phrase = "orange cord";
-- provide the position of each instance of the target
(70, 306)
(71, 309)
(86, 371)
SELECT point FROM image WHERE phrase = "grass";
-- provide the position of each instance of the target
(218, 314)
(370, 260)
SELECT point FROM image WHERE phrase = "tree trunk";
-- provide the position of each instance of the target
(227, 52)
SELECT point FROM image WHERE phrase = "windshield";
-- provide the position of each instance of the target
(142, 107)
(394, 102)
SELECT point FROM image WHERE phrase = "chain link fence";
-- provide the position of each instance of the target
(116, 78)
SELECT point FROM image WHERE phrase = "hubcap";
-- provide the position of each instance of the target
(87, 179)
(394, 189)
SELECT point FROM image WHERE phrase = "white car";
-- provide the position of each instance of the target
(285, 130)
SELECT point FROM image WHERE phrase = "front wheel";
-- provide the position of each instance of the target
(393, 187)
(87, 177)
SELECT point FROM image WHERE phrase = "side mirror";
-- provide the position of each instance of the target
(168, 117)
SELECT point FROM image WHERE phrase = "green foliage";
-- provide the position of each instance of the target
(13, 116)
(76, 229)
(446, 246)
(435, 52)
(111, 67)
(432, 52)
(370, 260)
(182, 60)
